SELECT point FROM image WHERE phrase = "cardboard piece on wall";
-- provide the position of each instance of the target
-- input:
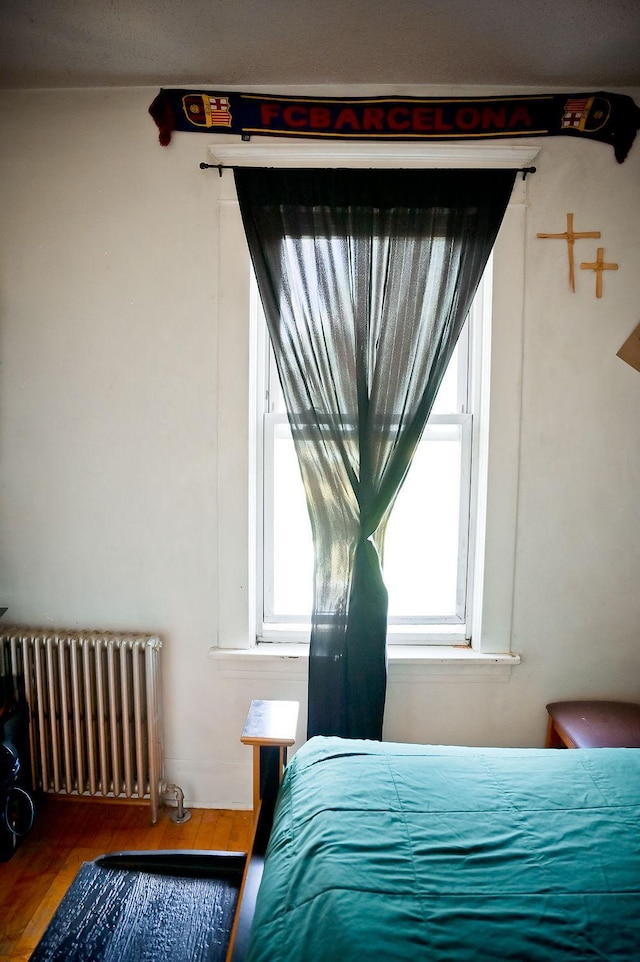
(630, 350)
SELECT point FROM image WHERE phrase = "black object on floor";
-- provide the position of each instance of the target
(147, 907)
(17, 809)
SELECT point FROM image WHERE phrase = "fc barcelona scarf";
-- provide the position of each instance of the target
(611, 118)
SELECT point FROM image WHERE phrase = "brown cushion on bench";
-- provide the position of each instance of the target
(597, 724)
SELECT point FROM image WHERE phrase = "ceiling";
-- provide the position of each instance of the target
(579, 44)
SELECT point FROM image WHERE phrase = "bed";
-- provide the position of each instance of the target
(389, 852)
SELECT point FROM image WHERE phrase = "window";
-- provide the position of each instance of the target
(428, 567)
(496, 435)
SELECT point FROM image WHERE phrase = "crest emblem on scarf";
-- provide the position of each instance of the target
(205, 111)
(586, 113)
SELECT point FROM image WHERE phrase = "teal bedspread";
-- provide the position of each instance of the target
(389, 852)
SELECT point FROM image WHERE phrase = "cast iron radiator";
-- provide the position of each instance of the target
(94, 710)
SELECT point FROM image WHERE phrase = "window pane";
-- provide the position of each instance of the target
(446, 401)
(293, 547)
(421, 545)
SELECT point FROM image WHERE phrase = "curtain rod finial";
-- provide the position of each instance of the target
(219, 167)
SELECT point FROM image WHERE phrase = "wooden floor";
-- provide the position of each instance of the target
(68, 833)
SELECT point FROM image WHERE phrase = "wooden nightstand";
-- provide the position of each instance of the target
(271, 729)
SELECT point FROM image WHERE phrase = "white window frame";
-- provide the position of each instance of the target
(427, 629)
(496, 524)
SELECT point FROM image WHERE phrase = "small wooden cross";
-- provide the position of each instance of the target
(571, 236)
(599, 266)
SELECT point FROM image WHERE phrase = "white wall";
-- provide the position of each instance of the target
(110, 429)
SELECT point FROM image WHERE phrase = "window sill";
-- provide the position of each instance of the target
(416, 663)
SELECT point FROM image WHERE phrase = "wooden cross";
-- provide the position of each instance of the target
(599, 266)
(571, 236)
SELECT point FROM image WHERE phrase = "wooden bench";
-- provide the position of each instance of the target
(593, 724)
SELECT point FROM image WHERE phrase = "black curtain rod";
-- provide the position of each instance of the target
(220, 167)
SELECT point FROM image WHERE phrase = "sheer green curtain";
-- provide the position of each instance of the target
(366, 278)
